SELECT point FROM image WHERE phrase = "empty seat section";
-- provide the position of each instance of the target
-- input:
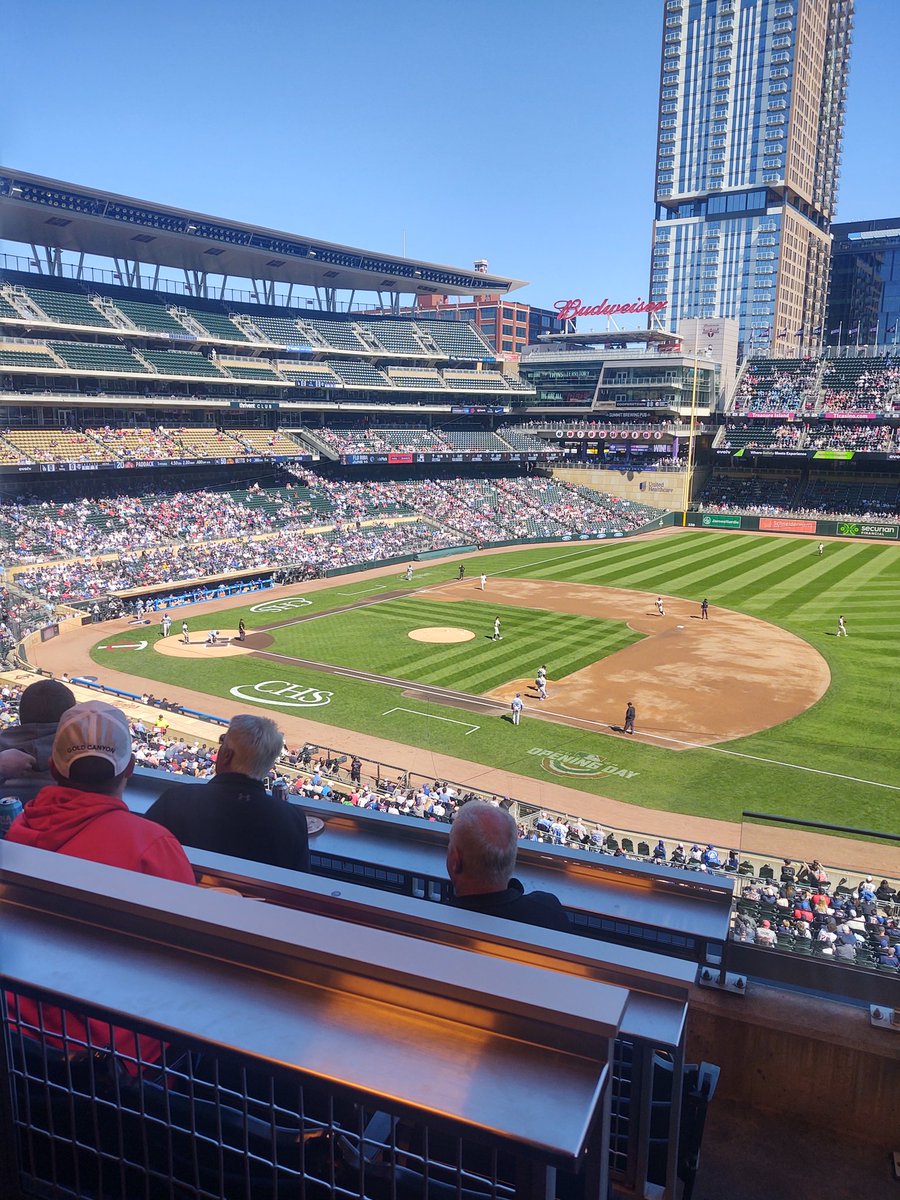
(520, 439)
(359, 374)
(180, 362)
(475, 440)
(482, 381)
(309, 375)
(27, 356)
(218, 325)
(85, 356)
(7, 310)
(339, 334)
(457, 339)
(207, 442)
(155, 318)
(67, 308)
(267, 441)
(416, 377)
(281, 331)
(397, 337)
(250, 369)
(423, 441)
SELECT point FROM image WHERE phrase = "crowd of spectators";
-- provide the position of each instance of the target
(843, 436)
(804, 911)
(763, 496)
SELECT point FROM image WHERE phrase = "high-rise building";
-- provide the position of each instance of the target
(751, 111)
(864, 304)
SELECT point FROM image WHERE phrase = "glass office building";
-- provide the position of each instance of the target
(864, 305)
(751, 113)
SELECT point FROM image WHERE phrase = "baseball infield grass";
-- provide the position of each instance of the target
(825, 764)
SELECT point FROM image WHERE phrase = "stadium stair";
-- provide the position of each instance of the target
(308, 439)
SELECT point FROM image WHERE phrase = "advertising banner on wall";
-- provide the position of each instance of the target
(720, 521)
(865, 529)
(786, 525)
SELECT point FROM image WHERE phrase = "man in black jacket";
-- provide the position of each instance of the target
(233, 813)
(480, 861)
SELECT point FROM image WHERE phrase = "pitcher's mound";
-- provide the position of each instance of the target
(226, 647)
(441, 633)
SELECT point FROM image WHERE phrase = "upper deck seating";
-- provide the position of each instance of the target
(309, 374)
(483, 381)
(207, 442)
(397, 337)
(267, 441)
(776, 385)
(218, 325)
(338, 334)
(358, 374)
(416, 377)
(475, 440)
(281, 331)
(57, 445)
(66, 308)
(27, 356)
(457, 339)
(154, 318)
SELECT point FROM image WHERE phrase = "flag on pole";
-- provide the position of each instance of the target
(832, 332)
(798, 332)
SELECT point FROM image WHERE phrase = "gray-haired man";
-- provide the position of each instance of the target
(233, 813)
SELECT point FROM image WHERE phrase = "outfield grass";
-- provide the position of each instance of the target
(851, 732)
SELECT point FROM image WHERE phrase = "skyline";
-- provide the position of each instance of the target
(383, 141)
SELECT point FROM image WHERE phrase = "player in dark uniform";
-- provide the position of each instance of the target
(704, 609)
(630, 714)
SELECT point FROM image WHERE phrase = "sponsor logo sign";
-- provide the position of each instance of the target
(283, 693)
(277, 606)
(715, 521)
(571, 309)
(581, 766)
(855, 529)
(786, 525)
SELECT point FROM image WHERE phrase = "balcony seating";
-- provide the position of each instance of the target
(338, 334)
(56, 445)
(217, 325)
(7, 310)
(397, 337)
(87, 356)
(476, 441)
(250, 369)
(520, 440)
(139, 443)
(309, 375)
(482, 381)
(181, 362)
(416, 377)
(207, 442)
(27, 356)
(267, 441)
(359, 374)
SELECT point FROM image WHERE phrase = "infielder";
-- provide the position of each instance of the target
(498, 637)
(483, 581)
(517, 707)
(660, 607)
(541, 687)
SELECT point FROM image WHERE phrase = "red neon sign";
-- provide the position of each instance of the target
(569, 309)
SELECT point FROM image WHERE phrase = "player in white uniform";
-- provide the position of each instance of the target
(483, 581)
(409, 570)
(498, 637)
(820, 549)
(517, 707)
(842, 628)
(165, 624)
(660, 607)
(185, 633)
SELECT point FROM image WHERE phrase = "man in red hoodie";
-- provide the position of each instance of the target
(84, 815)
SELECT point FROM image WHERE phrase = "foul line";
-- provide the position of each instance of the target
(431, 717)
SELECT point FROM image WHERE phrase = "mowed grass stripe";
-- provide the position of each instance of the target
(745, 572)
(376, 639)
(838, 586)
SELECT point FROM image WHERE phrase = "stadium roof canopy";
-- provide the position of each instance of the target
(613, 336)
(45, 212)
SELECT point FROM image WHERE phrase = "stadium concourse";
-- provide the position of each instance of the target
(70, 656)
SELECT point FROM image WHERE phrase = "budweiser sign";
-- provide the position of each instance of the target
(570, 309)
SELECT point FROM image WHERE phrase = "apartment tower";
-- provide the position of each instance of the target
(751, 113)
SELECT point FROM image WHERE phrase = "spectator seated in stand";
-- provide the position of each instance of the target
(481, 857)
(25, 748)
(233, 813)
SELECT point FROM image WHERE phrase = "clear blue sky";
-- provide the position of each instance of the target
(521, 132)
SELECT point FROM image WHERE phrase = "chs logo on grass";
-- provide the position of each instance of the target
(283, 693)
(277, 606)
(581, 765)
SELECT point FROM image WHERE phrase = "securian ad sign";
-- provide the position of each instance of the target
(852, 529)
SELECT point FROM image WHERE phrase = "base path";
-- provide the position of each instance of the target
(693, 682)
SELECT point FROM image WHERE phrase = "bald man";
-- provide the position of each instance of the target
(481, 858)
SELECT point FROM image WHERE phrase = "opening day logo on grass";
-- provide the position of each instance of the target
(282, 692)
(583, 765)
(276, 606)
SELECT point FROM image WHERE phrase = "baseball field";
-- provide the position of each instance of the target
(760, 706)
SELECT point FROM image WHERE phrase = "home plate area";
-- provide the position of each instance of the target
(201, 645)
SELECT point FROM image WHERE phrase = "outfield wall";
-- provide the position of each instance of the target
(881, 530)
(662, 489)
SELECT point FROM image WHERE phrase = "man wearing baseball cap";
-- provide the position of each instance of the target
(83, 813)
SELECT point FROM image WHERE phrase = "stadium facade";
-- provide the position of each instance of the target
(751, 111)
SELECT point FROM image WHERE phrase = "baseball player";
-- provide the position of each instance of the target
(242, 630)
(660, 607)
(704, 609)
(185, 633)
(483, 581)
(165, 625)
(820, 549)
(630, 714)
(541, 687)
(517, 707)
(498, 636)
(842, 628)
(409, 573)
